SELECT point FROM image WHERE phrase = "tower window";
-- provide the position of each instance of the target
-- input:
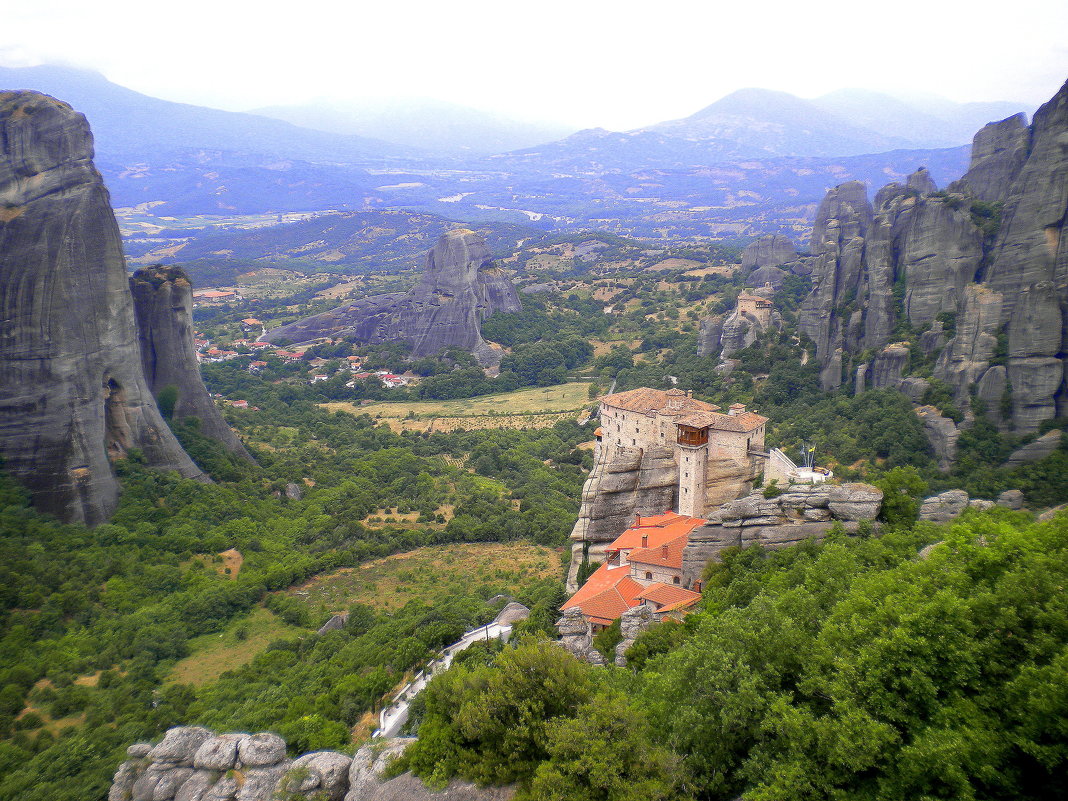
(648, 575)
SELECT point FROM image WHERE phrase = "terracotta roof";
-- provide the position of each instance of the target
(659, 529)
(746, 421)
(607, 594)
(667, 594)
(668, 554)
(683, 604)
(652, 400)
(760, 300)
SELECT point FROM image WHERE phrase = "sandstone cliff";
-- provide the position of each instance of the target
(987, 258)
(460, 287)
(72, 392)
(636, 482)
(163, 305)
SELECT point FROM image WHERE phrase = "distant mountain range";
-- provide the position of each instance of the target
(128, 125)
(755, 161)
(421, 123)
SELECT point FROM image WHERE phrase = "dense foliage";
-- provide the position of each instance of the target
(855, 669)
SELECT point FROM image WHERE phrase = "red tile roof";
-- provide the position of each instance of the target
(607, 594)
(745, 422)
(669, 554)
(650, 400)
(664, 595)
(659, 529)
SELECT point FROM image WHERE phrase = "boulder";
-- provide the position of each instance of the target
(323, 772)
(512, 613)
(218, 753)
(854, 501)
(942, 433)
(1011, 499)
(335, 623)
(180, 745)
(261, 750)
(632, 623)
(945, 506)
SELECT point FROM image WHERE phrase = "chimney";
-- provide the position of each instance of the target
(645, 540)
(689, 393)
(663, 550)
(697, 585)
(637, 520)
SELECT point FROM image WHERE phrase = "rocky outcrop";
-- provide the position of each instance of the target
(768, 251)
(631, 623)
(888, 367)
(944, 506)
(576, 636)
(1036, 451)
(635, 482)
(801, 512)
(194, 764)
(998, 152)
(710, 335)
(942, 433)
(461, 286)
(984, 261)
(1011, 499)
(163, 306)
(73, 396)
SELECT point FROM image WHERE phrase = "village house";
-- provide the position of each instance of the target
(215, 296)
(318, 377)
(255, 367)
(643, 566)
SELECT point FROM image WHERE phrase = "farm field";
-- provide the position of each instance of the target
(211, 655)
(433, 572)
(538, 407)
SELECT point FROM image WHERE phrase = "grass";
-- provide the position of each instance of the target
(211, 655)
(524, 408)
(432, 573)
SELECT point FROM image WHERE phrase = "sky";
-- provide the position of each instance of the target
(584, 63)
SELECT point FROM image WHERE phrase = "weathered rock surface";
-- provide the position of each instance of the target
(1011, 499)
(942, 433)
(801, 512)
(999, 150)
(370, 763)
(997, 271)
(72, 392)
(768, 251)
(888, 367)
(460, 287)
(944, 506)
(163, 306)
(194, 764)
(635, 482)
(632, 623)
(1037, 450)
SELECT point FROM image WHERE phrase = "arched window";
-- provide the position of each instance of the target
(648, 575)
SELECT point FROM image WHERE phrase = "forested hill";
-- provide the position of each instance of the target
(94, 624)
(928, 663)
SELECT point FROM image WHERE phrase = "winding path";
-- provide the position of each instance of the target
(394, 716)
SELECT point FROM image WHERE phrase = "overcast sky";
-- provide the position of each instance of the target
(616, 64)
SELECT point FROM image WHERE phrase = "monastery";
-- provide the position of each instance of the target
(707, 445)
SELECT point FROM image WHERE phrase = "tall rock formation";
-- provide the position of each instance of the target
(163, 305)
(460, 287)
(979, 273)
(72, 392)
(636, 482)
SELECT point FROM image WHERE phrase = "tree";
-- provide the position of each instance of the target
(902, 487)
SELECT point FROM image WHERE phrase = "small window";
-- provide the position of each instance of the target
(685, 475)
(634, 442)
(676, 580)
(648, 575)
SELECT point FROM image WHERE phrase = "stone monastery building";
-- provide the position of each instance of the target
(716, 453)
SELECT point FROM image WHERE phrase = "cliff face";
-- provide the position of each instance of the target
(72, 393)
(990, 253)
(636, 482)
(163, 305)
(459, 288)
